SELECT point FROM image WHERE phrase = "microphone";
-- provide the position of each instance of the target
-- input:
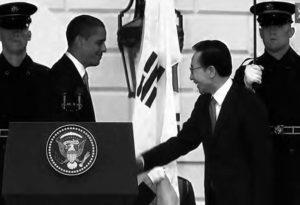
(64, 101)
(79, 101)
(79, 94)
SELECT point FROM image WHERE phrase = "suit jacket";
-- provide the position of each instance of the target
(186, 192)
(145, 195)
(237, 154)
(69, 89)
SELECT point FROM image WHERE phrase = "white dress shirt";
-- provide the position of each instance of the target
(220, 95)
(78, 65)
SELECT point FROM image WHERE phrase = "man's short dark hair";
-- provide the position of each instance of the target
(82, 25)
(215, 53)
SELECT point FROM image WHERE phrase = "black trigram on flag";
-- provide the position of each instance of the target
(147, 88)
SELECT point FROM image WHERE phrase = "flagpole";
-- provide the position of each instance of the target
(254, 33)
(254, 85)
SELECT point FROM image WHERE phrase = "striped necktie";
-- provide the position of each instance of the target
(212, 112)
(85, 79)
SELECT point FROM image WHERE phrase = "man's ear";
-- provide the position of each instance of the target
(78, 41)
(291, 32)
(260, 32)
(212, 71)
(29, 35)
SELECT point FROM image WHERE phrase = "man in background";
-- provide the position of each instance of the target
(23, 83)
(72, 101)
(275, 79)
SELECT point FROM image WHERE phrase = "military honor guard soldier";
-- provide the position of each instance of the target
(276, 75)
(23, 83)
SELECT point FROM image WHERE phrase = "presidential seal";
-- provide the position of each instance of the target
(71, 150)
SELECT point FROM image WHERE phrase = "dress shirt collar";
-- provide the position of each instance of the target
(78, 65)
(221, 93)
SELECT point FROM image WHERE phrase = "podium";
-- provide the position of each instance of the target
(30, 178)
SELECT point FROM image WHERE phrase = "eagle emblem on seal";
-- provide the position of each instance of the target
(71, 150)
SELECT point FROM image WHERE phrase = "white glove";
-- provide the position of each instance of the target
(253, 74)
(157, 174)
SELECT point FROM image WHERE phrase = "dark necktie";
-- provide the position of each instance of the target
(86, 80)
(212, 112)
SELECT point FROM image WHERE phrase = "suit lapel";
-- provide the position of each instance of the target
(226, 111)
(73, 72)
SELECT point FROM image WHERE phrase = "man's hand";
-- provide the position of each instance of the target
(139, 163)
(153, 178)
(157, 174)
(253, 74)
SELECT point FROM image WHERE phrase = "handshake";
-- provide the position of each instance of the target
(253, 74)
(155, 175)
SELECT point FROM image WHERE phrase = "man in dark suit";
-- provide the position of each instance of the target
(275, 79)
(72, 101)
(232, 125)
(23, 83)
